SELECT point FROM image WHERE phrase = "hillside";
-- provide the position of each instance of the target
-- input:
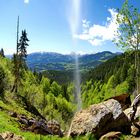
(56, 61)
(114, 77)
(35, 99)
(117, 64)
(40, 97)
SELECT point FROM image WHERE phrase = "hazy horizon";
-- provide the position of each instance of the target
(70, 53)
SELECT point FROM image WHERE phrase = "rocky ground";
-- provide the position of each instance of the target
(106, 120)
(38, 126)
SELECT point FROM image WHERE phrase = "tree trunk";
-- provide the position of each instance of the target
(137, 73)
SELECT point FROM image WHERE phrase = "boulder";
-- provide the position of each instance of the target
(111, 136)
(129, 111)
(40, 127)
(54, 126)
(10, 136)
(100, 119)
(134, 130)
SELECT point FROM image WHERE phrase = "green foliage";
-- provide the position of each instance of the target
(6, 78)
(122, 88)
(131, 77)
(19, 60)
(55, 89)
(2, 76)
(45, 83)
(8, 124)
(112, 78)
(51, 100)
(128, 34)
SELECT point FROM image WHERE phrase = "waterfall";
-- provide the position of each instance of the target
(77, 83)
(74, 19)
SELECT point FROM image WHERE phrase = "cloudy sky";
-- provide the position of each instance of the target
(64, 26)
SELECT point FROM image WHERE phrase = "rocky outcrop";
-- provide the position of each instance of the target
(135, 128)
(10, 136)
(100, 119)
(129, 111)
(54, 126)
(111, 136)
(40, 126)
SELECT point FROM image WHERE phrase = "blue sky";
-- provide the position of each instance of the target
(64, 26)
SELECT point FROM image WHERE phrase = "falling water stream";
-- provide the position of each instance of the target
(74, 19)
(77, 88)
(77, 83)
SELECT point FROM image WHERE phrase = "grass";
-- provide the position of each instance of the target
(8, 123)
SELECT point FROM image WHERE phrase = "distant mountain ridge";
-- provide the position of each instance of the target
(55, 61)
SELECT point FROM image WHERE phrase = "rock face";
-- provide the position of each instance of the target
(100, 119)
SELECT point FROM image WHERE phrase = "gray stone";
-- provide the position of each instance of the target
(100, 119)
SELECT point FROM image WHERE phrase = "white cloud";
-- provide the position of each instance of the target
(26, 1)
(98, 34)
(95, 42)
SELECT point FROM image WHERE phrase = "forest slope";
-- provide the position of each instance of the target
(114, 77)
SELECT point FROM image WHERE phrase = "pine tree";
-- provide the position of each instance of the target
(23, 43)
(19, 59)
(2, 53)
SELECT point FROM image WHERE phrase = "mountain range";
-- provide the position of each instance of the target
(55, 61)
